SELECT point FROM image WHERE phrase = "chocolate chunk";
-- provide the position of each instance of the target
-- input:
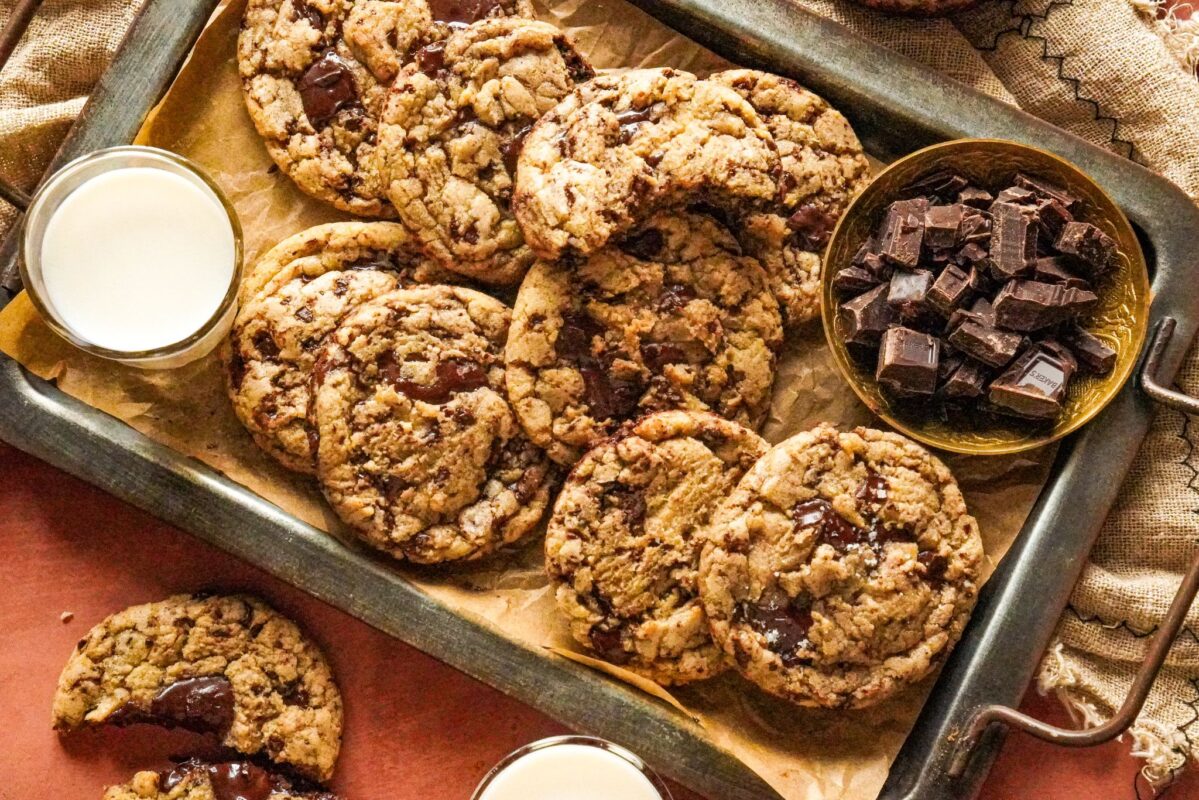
(1033, 305)
(902, 232)
(575, 336)
(812, 227)
(202, 704)
(908, 291)
(874, 490)
(867, 248)
(1089, 246)
(865, 317)
(943, 183)
(629, 501)
(941, 226)
(975, 228)
(1034, 386)
(511, 149)
(967, 381)
(1090, 350)
(950, 361)
(609, 397)
(326, 88)
(907, 362)
(644, 244)
(970, 255)
(430, 59)
(981, 311)
(975, 196)
(630, 120)
(657, 355)
(1047, 190)
(451, 377)
(1054, 216)
(608, 644)
(1015, 195)
(675, 296)
(1051, 270)
(463, 12)
(854, 280)
(1013, 240)
(949, 290)
(783, 621)
(989, 345)
(874, 264)
(234, 780)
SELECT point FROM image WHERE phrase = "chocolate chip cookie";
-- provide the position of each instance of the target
(291, 299)
(623, 542)
(672, 316)
(231, 666)
(823, 168)
(842, 568)
(316, 73)
(621, 146)
(419, 449)
(228, 780)
(451, 132)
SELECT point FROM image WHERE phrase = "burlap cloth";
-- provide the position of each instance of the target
(1119, 73)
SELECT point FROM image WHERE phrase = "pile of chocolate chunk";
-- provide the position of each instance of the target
(974, 299)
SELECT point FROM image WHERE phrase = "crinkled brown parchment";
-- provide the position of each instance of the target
(802, 753)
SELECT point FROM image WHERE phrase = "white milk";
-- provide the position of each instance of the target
(570, 772)
(137, 258)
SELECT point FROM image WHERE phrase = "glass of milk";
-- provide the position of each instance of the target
(571, 768)
(133, 254)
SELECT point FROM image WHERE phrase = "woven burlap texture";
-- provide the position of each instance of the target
(1112, 71)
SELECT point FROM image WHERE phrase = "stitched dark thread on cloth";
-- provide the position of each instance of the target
(1023, 29)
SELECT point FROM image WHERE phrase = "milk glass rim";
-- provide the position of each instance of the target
(591, 741)
(61, 328)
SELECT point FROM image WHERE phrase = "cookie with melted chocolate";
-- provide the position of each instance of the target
(671, 316)
(842, 568)
(622, 547)
(290, 300)
(228, 666)
(315, 75)
(452, 131)
(418, 448)
(823, 168)
(620, 148)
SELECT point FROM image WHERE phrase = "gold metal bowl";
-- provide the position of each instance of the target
(1121, 317)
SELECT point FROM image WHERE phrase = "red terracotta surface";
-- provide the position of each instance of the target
(415, 727)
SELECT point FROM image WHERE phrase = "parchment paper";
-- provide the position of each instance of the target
(802, 753)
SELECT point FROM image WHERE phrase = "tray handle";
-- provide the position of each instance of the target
(1159, 645)
(22, 15)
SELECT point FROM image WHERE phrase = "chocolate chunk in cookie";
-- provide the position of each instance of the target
(228, 666)
(623, 544)
(452, 131)
(842, 568)
(222, 780)
(419, 450)
(291, 299)
(823, 168)
(672, 316)
(622, 146)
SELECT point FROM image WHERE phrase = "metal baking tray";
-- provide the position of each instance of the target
(896, 106)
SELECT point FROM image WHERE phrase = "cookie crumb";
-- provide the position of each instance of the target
(66, 617)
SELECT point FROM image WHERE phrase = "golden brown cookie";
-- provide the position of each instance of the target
(623, 543)
(672, 316)
(419, 449)
(842, 568)
(621, 147)
(291, 299)
(226, 665)
(451, 131)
